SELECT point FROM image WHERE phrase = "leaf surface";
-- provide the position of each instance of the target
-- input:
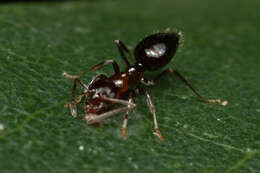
(220, 57)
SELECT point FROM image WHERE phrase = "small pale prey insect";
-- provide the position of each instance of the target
(104, 92)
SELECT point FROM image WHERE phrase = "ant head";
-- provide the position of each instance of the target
(156, 50)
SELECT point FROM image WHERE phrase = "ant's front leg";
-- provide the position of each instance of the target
(73, 104)
(93, 118)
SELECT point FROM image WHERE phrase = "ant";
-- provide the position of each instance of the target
(152, 53)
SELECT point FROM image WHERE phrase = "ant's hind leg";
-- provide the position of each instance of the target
(93, 119)
(222, 103)
(157, 78)
(122, 48)
(152, 110)
(152, 82)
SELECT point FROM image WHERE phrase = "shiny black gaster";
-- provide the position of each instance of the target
(157, 50)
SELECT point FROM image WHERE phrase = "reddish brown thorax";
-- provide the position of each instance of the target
(112, 87)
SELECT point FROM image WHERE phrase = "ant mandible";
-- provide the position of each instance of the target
(152, 53)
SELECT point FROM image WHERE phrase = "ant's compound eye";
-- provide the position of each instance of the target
(156, 50)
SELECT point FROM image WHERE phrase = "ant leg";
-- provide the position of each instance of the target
(120, 101)
(97, 77)
(147, 82)
(152, 82)
(73, 104)
(152, 110)
(126, 116)
(122, 48)
(94, 68)
(104, 63)
(157, 78)
(93, 118)
(223, 103)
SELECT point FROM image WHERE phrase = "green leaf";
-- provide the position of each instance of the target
(220, 57)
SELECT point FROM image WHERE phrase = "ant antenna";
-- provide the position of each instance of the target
(68, 76)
